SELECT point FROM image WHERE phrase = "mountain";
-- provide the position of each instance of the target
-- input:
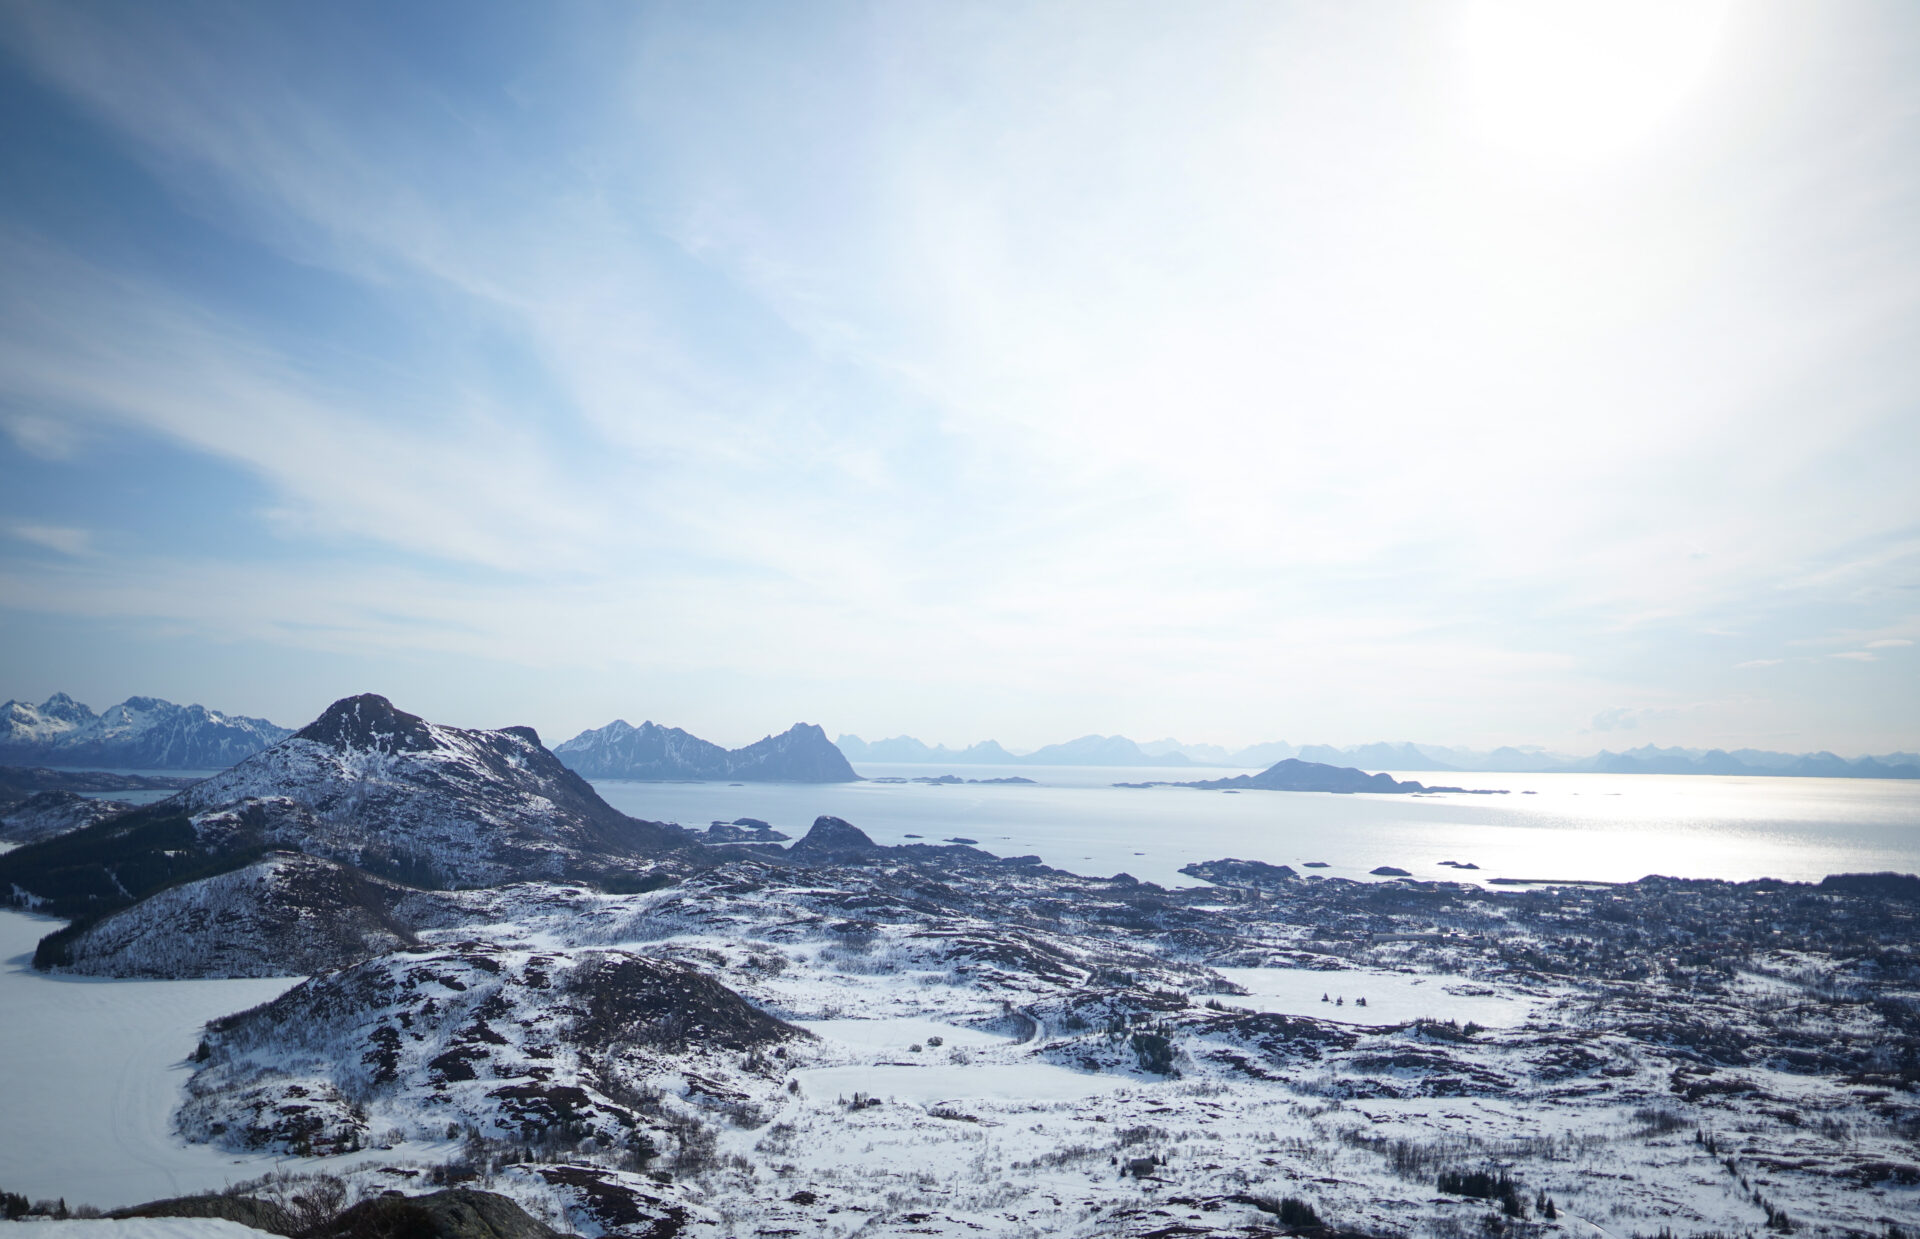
(1378, 756)
(906, 749)
(142, 733)
(1200, 754)
(650, 752)
(367, 785)
(1100, 751)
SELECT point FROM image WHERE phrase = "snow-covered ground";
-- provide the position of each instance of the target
(92, 1070)
(133, 1228)
(1392, 997)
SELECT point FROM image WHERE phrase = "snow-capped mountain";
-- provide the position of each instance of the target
(801, 754)
(366, 785)
(385, 790)
(143, 733)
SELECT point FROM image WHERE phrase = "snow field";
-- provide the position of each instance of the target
(132, 1228)
(1392, 997)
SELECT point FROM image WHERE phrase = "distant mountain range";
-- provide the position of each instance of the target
(1648, 759)
(141, 733)
(650, 752)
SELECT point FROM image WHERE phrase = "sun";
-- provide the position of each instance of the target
(1575, 82)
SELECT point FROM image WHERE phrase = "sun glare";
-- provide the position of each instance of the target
(1573, 82)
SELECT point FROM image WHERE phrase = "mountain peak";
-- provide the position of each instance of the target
(368, 721)
(66, 709)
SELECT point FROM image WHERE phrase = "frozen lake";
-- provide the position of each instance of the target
(92, 1070)
(1587, 826)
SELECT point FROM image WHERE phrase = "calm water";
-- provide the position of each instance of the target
(1609, 827)
(1591, 826)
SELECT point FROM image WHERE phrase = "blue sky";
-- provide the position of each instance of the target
(1234, 372)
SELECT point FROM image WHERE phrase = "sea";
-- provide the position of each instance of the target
(1560, 827)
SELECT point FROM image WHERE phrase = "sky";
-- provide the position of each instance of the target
(1466, 373)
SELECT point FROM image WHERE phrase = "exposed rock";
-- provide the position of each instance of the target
(457, 1213)
(246, 1210)
(833, 841)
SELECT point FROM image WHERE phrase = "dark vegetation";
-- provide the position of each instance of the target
(112, 864)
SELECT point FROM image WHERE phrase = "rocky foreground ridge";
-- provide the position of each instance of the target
(840, 1038)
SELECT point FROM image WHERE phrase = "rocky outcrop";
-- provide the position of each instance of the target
(650, 752)
(457, 1213)
(833, 841)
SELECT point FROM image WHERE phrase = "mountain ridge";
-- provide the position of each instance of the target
(140, 733)
(365, 785)
(1096, 750)
(653, 753)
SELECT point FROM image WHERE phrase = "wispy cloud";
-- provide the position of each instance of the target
(61, 538)
(704, 341)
